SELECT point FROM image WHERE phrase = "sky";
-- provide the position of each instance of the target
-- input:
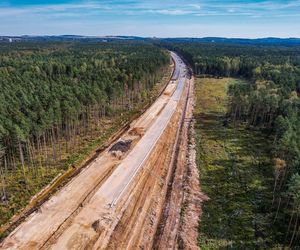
(148, 18)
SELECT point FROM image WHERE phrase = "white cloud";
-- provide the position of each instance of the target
(52, 9)
(176, 12)
(195, 6)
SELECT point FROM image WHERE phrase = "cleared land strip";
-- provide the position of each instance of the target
(109, 194)
(96, 222)
(137, 226)
(42, 225)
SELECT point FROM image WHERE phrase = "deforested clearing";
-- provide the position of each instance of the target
(235, 173)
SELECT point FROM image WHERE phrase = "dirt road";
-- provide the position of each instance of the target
(115, 202)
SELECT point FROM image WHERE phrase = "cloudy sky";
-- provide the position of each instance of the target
(161, 18)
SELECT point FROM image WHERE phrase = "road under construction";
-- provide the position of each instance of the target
(129, 199)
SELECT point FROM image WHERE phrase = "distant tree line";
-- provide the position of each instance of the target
(270, 102)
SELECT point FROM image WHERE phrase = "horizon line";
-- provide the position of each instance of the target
(156, 37)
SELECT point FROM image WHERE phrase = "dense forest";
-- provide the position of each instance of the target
(53, 98)
(268, 101)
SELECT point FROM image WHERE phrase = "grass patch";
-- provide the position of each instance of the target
(235, 172)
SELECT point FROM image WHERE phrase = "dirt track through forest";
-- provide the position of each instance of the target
(117, 201)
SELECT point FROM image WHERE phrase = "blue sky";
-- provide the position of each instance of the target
(161, 18)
